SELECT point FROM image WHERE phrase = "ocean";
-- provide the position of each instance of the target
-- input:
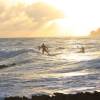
(65, 70)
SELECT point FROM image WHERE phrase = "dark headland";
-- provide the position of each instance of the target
(95, 33)
(60, 96)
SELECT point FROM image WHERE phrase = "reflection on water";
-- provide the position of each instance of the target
(30, 75)
(77, 57)
(65, 70)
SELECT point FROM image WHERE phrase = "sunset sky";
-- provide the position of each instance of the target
(39, 18)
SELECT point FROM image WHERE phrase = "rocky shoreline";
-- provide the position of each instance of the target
(60, 96)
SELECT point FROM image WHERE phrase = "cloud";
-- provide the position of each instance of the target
(26, 19)
(44, 12)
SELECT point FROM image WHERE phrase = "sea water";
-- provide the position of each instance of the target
(65, 70)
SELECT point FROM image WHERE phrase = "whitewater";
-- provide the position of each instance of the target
(64, 70)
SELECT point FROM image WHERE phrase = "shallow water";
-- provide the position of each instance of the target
(65, 70)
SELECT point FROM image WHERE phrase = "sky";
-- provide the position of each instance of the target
(48, 18)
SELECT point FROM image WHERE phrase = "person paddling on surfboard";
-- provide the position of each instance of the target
(44, 48)
(82, 50)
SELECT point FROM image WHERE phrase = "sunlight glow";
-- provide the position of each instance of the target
(80, 16)
(76, 57)
(30, 75)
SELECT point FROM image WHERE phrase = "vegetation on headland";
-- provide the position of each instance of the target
(95, 33)
(60, 96)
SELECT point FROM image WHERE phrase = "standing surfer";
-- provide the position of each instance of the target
(44, 49)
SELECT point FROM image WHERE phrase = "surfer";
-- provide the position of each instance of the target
(44, 48)
(82, 50)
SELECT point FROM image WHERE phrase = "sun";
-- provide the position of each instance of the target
(72, 24)
(68, 27)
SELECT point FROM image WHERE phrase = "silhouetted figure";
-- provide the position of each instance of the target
(44, 48)
(82, 50)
